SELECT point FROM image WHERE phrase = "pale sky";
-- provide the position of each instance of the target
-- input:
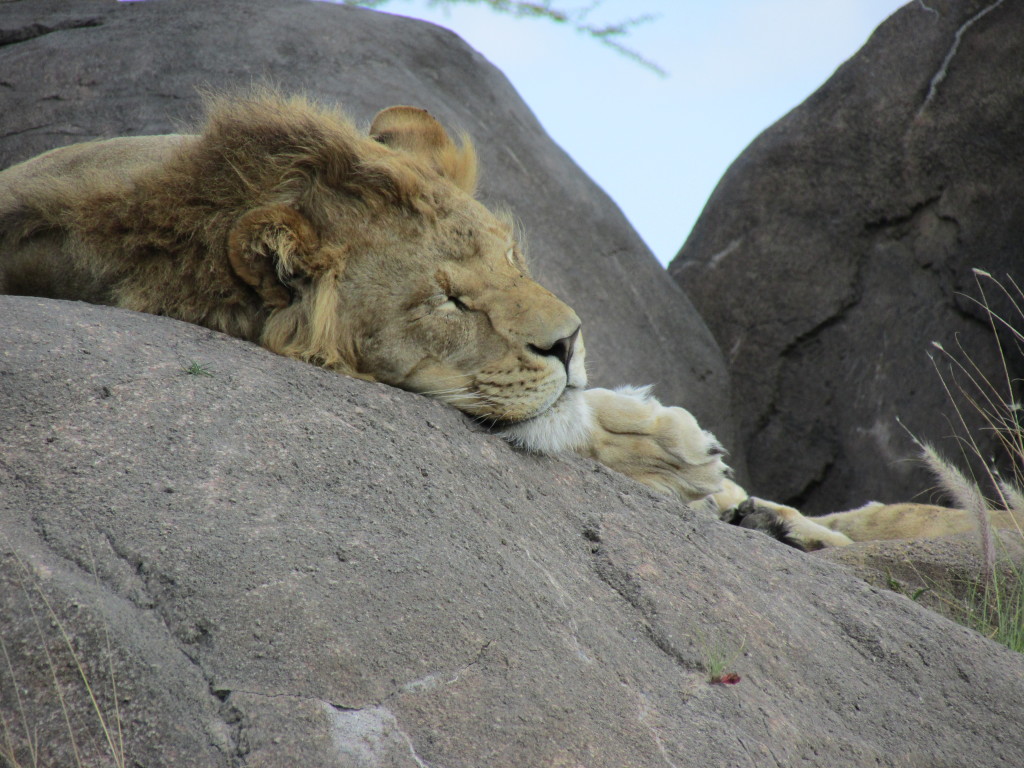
(658, 146)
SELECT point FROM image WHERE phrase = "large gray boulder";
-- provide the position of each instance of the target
(274, 565)
(79, 69)
(840, 244)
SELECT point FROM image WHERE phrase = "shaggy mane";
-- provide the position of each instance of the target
(298, 148)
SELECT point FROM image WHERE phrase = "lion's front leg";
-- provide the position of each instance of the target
(662, 447)
(665, 449)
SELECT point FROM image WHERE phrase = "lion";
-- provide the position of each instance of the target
(366, 253)
(362, 252)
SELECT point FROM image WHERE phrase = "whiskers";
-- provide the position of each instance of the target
(463, 398)
(456, 396)
(501, 419)
(487, 409)
(449, 391)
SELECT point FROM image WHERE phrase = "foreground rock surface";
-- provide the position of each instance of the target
(840, 245)
(276, 565)
(79, 69)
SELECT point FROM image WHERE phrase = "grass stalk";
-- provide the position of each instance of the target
(112, 734)
(995, 604)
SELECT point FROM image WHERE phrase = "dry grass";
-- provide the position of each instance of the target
(20, 738)
(996, 602)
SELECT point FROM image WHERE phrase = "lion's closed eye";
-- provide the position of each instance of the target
(452, 304)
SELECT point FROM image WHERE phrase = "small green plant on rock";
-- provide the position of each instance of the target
(718, 661)
(197, 369)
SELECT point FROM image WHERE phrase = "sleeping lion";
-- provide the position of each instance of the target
(367, 254)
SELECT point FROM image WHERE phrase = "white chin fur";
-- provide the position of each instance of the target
(565, 426)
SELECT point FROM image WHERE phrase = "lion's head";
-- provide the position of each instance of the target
(377, 261)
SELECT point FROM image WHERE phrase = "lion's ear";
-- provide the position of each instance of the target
(267, 247)
(417, 131)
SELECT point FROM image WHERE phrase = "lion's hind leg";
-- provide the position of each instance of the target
(783, 523)
(877, 522)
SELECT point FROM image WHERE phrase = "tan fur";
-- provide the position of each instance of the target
(281, 223)
(664, 448)
(877, 521)
(910, 521)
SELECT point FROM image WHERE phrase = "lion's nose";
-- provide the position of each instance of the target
(562, 349)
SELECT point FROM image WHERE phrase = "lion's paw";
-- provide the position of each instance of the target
(761, 517)
(661, 447)
(783, 523)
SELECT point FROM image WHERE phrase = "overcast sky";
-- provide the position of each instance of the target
(659, 145)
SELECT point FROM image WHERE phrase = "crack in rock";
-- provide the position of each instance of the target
(32, 31)
(943, 71)
(236, 747)
(365, 735)
(223, 692)
(233, 717)
(627, 587)
(434, 679)
(232, 744)
(888, 222)
(234, 723)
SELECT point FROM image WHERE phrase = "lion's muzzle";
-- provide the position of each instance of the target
(563, 349)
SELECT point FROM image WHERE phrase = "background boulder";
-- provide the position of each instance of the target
(840, 244)
(276, 565)
(74, 70)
